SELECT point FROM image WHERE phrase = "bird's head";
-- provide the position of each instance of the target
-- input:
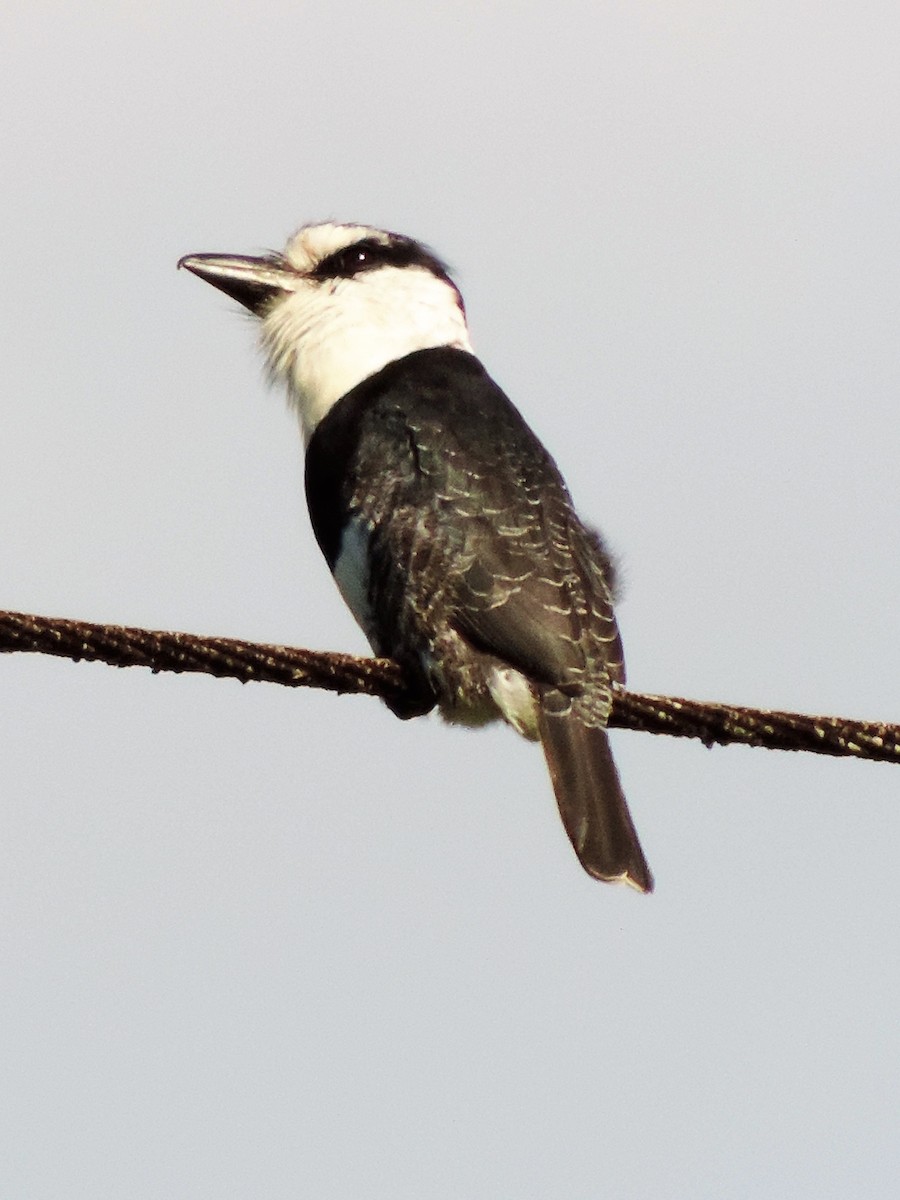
(340, 303)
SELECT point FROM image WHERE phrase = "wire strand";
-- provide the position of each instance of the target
(229, 658)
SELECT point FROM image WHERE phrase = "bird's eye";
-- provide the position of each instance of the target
(362, 256)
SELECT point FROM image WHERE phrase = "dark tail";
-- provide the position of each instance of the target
(591, 801)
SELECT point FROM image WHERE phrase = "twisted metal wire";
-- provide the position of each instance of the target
(712, 723)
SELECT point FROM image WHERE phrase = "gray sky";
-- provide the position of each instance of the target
(261, 943)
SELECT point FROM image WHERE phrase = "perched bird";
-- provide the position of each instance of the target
(446, 524)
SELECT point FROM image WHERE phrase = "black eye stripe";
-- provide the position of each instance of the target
(368, 254)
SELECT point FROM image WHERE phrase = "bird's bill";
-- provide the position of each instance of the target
(253, 282)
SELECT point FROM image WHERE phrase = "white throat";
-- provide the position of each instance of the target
(327, 336)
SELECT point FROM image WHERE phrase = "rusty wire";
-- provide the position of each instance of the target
(712, 723)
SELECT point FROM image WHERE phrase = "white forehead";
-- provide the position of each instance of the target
(312, 243)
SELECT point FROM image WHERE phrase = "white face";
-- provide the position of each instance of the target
(354, 299)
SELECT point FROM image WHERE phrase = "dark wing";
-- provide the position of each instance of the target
(537, 597)
(471, 523)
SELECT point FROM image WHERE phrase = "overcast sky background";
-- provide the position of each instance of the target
(270, 943)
